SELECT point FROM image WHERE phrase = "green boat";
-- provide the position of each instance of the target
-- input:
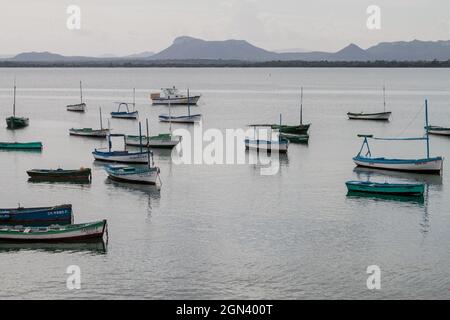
(296, 138)
(14, 122)
(21, 145)
(410, 189)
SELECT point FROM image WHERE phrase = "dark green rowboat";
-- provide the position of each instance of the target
(296, 138)
(410, 189)
(16, 122)
(82, 174)
(21, 145)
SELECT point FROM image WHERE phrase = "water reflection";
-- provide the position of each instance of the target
(94, 247)
(368, 173)
(267, 162)
(420, 200)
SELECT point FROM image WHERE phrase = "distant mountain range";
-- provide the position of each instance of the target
(188, 48)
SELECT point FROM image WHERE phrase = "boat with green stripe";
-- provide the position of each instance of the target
(21, 145)
(410, 189)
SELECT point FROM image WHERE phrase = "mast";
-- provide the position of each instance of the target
(148, 149)
(134, 99)
(384, 98)
(101, 121)
(14, 101)
(81, 94)
(140, 136)
(301, 106)
(148, 136)
(189, 104)
(170, 118)
(426, 129)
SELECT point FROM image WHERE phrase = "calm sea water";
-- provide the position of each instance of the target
(226, 231)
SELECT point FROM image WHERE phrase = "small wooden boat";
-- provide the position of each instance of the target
(126, 114)
(280, 145)
(162, 140)
(410, 189)
(89, 132)
(123, 156)
(82, 174)
(14, 122)
(423, 165)
(55, 233)
(132, 174)
(380, 116)
(78, 107)
(296, 138)
(442, 131)
(173, 96)
(21, 145)
(189, 118)
(37, 216)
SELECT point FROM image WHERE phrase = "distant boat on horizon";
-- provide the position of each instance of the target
(380, 116)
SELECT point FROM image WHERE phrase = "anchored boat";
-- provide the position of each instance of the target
(78, 107)
(89, 132)
(408, 189)
(37, 216)
(296, 138)
(14, 122)
(21, 145)
(442, 131)
(161, 141)
(423, 165)
(189, 118)
(126, 114)
(173, 96)
(55, 233)
(300, 129)
(382, 116)
(82, 174)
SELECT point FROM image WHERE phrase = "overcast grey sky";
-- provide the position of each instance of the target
(131, 26)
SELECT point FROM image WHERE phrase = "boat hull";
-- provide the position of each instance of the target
(121, 156)
(21, 145)
(175, 101)
(298, 129)
(80, 107)
(380, 116)
(71, 233)
(296, 138)
(271, 146)
(16, 122)
(431, 165)
(439, 131)
(180, 119)
(125, 115)
(89, 132)
(139, 176)
(386, 188)
(161, 141)
(60, 175)
(37, 216)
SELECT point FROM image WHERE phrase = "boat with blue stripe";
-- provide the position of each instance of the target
(61, 214)
(126, 114)
(123, 156)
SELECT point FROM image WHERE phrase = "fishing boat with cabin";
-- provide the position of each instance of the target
(407, 189)
(15, 122)
(422, 165)
(21, 145)
(55, 233)
(173, 96)
(80, 175)
(380, 116)
(89, 132)
(78, 107)
(61, 214)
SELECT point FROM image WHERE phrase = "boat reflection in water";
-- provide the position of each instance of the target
(368, 173)
(91, 246)
(387, 197)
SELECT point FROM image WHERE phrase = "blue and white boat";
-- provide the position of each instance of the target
(189, 118)
(126, 114)
(422, 165)
(61, 214)
(123, 156)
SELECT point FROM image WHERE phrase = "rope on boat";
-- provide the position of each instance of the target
(412, 121)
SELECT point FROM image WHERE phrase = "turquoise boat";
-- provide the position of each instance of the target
(21, 145)
(410, 189)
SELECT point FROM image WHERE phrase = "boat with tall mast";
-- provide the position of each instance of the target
(126, 114)
(189, 118)
(422, 165)
(14, 122)
(380, 116)
(78, 107)
(89, 132)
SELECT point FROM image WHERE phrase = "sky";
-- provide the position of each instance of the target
(122, 27)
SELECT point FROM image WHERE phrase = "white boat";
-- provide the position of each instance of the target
(380, 116)
(89, 132)
(133, 174)
(173, 96)
(55, 233)
(422, 165)
(79, 107)
(162, 140)
(123, 156)
(280, 145)
(442, 131)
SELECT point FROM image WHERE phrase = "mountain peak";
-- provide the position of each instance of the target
(185, 39)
